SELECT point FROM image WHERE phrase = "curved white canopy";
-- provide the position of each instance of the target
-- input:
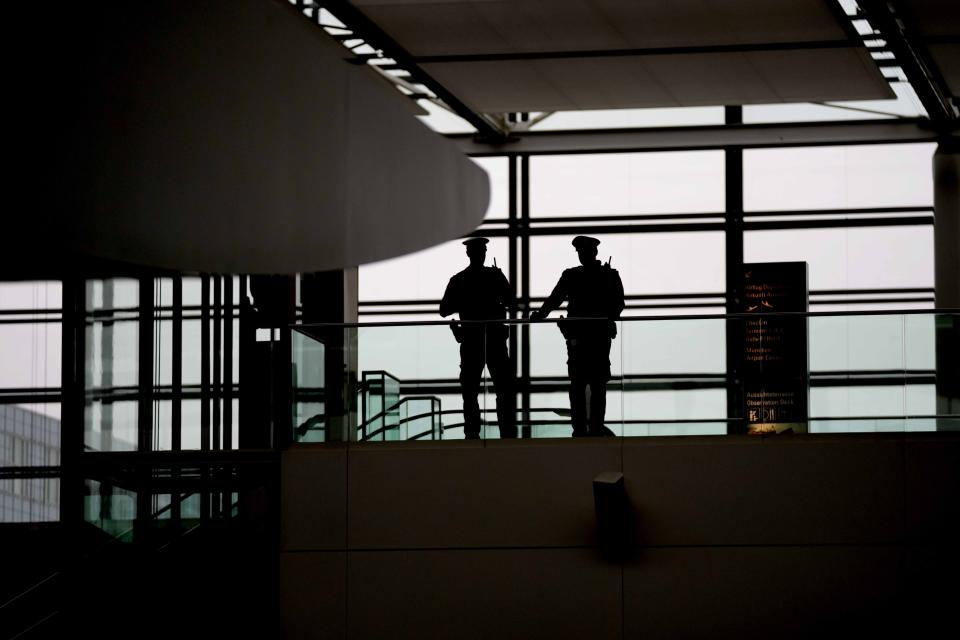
(223, 136)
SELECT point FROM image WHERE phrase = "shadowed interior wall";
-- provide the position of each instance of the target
(732, 537)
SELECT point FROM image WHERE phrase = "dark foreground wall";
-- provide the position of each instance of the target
(731, 537)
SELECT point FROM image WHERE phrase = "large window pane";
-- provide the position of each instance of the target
(498, 169)
(30, 295)
(31, 355)
(627, 183)
(625, 118)
(691, 262)
(423, 275)
(28, 436)
(112, 364)
(29, 500)
(838, 177)
(29, 343)
(856, 258)
(111, 425)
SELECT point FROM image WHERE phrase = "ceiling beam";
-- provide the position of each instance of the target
(914, 59)
(850, 132)
(652, 51)
(377, 38)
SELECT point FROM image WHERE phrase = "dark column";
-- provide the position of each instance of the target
(205, 384)
(227, 386)
(513, 271)
(254, 421)
(176, 366)
(72, 389)
(331, 297)
(204, 362)
(524, 231)
(216, 390)
(106, 356)
(946, 241)
(733, 234)
(145, 383)
(176, 387)
(145, 367)
(269, 382)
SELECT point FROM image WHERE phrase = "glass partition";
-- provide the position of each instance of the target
(667, 376)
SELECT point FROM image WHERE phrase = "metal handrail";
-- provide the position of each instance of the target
(709, 316)
(368, 436)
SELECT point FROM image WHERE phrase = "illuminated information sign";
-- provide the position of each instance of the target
(774, 366)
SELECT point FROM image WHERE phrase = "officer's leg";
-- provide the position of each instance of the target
(598, 406)
(599, 375)
(578, 388)
(498, 361)
(471, 366)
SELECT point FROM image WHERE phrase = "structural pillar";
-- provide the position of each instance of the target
(332, 297)
(733, 247)
(946, 251)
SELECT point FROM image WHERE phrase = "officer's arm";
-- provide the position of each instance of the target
(557, 296)
(616, 298)
(448, 305)
(506, 294)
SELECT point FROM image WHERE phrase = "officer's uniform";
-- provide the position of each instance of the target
(591, 291)
(482, 293)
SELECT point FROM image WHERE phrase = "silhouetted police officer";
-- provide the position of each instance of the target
(592, 290)
(482, 293)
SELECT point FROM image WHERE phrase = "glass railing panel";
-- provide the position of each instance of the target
(860, 425)
(947, 341)
(857, 343)
(681, 428)
(668, 376)
(309, 386)
(497, 360)
(674, 371)
(379, 406)
(886, 398)
(920, 341)
(404, 361)
(112, 509)
(576, 374)
(400, 362)
(920, 358)
(548, 415)
(652, 411)
(420, 419)
(548, 408)
(674, 346)
(948, 423)
(858, 370)
(324, 384)
(390, 403)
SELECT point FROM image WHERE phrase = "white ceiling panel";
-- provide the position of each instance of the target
(471, 27)
(663, 80)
